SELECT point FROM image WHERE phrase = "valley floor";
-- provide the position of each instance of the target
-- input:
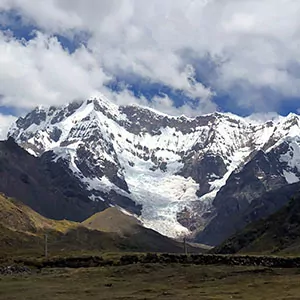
(154, 281)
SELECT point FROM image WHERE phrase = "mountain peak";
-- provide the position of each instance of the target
(161, 163)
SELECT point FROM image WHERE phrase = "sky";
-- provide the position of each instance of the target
(186, 57)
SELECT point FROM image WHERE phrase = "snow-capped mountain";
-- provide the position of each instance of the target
(171, 167)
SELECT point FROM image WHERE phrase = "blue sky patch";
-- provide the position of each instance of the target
(207, 70)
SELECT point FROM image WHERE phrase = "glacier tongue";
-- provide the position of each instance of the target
(162, 195)
(163, 163)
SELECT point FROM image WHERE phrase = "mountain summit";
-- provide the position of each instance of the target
(176, 174)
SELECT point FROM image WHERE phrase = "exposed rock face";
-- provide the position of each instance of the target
(157, 165)
(264, 173)
(199, 168)
(278, 233)
(49, 187)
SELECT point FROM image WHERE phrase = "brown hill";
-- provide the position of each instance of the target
(18, 217)
(114, 220)
(137, 237)
(22, 230)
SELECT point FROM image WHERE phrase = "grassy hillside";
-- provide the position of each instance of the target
(19, 217)
(22, 230)
(135, 236)
(279, 233)
(106, 221)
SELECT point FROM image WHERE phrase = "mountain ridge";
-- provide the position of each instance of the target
(276, 234)
(163, 164)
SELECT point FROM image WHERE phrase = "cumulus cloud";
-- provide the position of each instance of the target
(5, 122)
(41, 71)
(255, 44)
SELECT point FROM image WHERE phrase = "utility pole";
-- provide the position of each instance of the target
(46, 245)
(184, 246)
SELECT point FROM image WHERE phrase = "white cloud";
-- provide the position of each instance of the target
(257, 42)
(40, 71)
(5, 122)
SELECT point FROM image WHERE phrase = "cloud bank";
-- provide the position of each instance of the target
(253, 46)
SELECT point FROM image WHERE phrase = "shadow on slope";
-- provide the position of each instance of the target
(279, 233)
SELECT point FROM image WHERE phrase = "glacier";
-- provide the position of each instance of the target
(141, 154)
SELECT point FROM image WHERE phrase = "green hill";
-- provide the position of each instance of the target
(18, 217)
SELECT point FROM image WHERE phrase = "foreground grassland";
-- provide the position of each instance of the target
(154, 281)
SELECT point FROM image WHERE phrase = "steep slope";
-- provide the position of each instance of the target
(232, 219)
(252, 184)
(22, 229)
(158, 165)
(48, 187)
(279, 233)
(18, 217)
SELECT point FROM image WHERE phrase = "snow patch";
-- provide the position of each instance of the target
(290, 177)
(150, 163)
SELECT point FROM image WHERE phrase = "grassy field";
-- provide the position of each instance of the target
(154, 282)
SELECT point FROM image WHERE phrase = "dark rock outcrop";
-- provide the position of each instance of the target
(49, 187)
(279, 233)
(244, 192)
